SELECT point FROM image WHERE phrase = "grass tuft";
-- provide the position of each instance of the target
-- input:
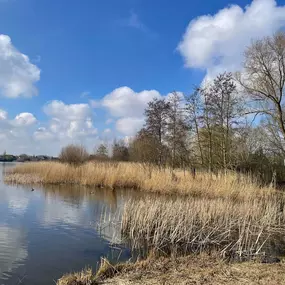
(84, 277)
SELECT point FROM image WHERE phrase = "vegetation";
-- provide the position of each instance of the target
(193, 269)
(133, 175)
(235, 229)
(73, 155)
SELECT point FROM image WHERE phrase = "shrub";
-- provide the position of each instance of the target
(74, 154)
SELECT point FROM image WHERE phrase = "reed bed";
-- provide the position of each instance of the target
(137, 176)
(180, 226)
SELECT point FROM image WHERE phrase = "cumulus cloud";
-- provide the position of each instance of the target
(124, 101)
(15, 134)
(215, 43)
(66, 123)
(72, 121)
(24, 119)
(17, 74)
(128, 106)
(43, 134)
(60, 110)
(130, 125)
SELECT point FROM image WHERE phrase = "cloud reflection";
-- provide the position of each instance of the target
(13, 250)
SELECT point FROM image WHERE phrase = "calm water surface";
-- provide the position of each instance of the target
(54, 230)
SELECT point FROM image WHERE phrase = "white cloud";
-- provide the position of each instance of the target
(20, 122)
(66, 124)
(17, 74)
(125, 102)
(72, 121)
(24, 119)
(3, 115)
(216, 43)
(60, 110)
(130, 125)
(128, 107)
(43, 134)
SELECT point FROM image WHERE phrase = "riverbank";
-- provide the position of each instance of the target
(137, 176)
(197, 241)
(198, 270)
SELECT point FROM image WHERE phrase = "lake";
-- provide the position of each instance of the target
(53, 230)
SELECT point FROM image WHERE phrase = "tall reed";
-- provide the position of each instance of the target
(138, 176)
(178, 226)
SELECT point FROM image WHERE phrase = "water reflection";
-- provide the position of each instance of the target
(13, 251)
(53, 230)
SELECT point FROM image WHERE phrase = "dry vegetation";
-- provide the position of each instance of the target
(178, 226)
(137, 176)
(84, 277)
(198, 270)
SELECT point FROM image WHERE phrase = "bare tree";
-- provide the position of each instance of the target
(225, 108)
(176, 130)
(143, 148)
(101, 152)
(120, 151)
(194, 110)
(156, 124)
(263, 79)
(74, 154)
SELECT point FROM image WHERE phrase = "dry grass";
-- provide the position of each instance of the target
(84, 277)
(201, 270)
(198, 270)
(178, 226)
(134, 175)
(87, 277)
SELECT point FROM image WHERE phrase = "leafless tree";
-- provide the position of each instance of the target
(156, 124)
(176, 129)
(74, 154)
(263, 79)
(224, 105)
(194, 110)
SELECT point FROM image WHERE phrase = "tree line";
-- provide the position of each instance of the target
(233, 122)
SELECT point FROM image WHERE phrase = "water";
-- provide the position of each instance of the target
(54, 230)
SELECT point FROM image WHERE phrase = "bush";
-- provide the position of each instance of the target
(74, 154)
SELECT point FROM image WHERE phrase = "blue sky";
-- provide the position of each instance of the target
(91, 66)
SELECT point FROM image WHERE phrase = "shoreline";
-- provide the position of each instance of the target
(199, 270)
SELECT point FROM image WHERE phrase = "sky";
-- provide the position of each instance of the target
(83, 71)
